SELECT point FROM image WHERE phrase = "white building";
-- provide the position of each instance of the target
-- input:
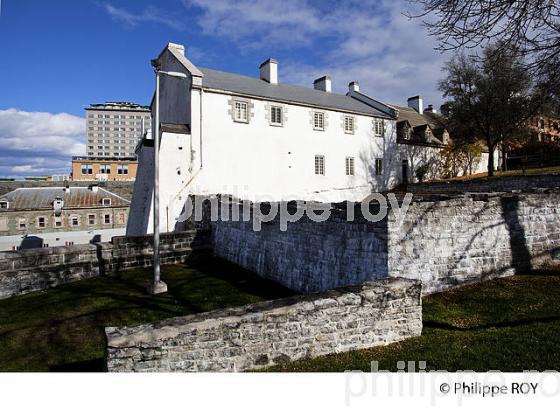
(259, 139)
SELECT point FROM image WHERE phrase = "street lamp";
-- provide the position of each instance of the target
(157, 285)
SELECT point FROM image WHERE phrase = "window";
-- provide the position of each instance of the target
(378, 127)
(22, 224)
(75, 220)
(4, 205)
(121, 219)
(41, 222)
(106, 201)
(276, 115)
(3, 224)
(107, 218)
(348, 124)
(378, 166)
(57, 222)
(319, 121)
(87, 169)
(349, 165)
(105, 168)
(241, 111)
(122, 170)
(319, 165)
(91, 219)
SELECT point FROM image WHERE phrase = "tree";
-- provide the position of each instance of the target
(489, 98)
(460, 158)
(531, 27)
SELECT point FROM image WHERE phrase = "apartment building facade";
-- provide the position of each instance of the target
(115, 128)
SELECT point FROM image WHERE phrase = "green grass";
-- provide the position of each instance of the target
(509, 324)
(62, 328)
(499, 174)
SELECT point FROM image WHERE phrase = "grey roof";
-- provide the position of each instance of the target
(420, 121)
(250, 86)
(43, 197)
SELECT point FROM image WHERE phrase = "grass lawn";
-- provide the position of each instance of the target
(509, 324)
(499, 174)
(61, 329)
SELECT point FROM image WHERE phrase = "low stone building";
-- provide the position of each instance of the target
(51, 216)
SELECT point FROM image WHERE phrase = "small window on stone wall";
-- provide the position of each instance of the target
(41, 222)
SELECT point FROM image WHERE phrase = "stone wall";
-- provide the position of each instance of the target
(309, 256)
(475, 237)
(263, 334)
(25, 271)
(520, 183)
(444, 241)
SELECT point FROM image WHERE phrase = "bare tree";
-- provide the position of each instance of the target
(531, 27)
(489, 98)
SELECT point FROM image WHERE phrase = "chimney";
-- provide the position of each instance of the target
(416, 103)
(354, 86)
(323, 84)
(269, 71)
(93, 188)
(430, 108)
(178, 47)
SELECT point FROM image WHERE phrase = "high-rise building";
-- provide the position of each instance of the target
(114, 129)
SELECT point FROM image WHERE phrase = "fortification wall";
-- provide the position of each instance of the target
(37, 269)
(263, 334)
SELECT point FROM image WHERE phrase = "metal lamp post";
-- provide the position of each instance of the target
(157, 285)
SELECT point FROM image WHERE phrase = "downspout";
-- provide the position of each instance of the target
(200, 131)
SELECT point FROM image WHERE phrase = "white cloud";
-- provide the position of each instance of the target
(39, 142)
(370, 41)
(262, 22)
(150, 14)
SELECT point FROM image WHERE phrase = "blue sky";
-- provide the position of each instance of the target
(59, 56)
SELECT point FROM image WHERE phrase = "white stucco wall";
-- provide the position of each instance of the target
(256, 159)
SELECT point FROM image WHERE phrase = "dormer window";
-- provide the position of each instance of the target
(4, 204)
(106, 201)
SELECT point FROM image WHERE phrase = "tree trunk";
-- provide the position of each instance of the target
(504, 158)
(491, 161)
